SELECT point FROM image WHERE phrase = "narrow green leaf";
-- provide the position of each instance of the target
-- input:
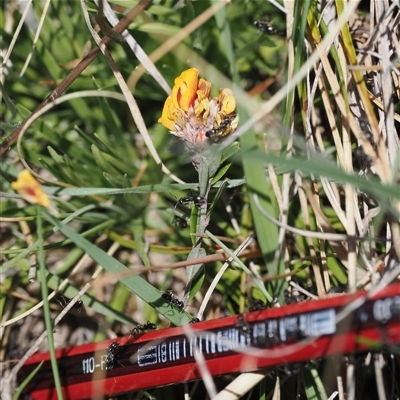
(193, 224)
(203, 176)
(7, 99)
(196, 285)
(221, 172)
(102, 162)
(158, 28)
(90, 191)
(23, 253)
(137, 232)
(88, 300)
(313, 385)
(267, 232)
(46, 307)
(23, 385)
(319, 165)
(230, 151)
(115, 180)
(195, 273)
(241, 265)
(157, 188)
(194, 270)
(135, 283)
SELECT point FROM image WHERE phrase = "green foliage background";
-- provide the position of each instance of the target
(111, 196)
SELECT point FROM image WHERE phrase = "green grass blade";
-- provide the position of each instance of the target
(257, 182)
(313, 385)
(23, 385)
(46, 307)
(244, 268)
(135, 283)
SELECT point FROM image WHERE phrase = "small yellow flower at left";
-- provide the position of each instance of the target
(30, 189)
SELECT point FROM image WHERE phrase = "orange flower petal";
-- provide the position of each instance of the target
(189, 112)
(205, 87)
(30, 189)
(168, 116)
(227, 101)
(184, 91)
(202, 108)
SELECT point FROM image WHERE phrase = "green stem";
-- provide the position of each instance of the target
(46, 307)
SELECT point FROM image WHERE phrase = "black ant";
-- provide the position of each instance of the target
(180, 222)
(265, 27)
(257, 306)
(64, 301)
(293, 296)
(197, 200)
(150, 326)
(243, 325)
(112, 351)
(139, 329)
(222, 130)
(115, 348)
(170, 297)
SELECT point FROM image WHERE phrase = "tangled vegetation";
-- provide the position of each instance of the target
(296, 177)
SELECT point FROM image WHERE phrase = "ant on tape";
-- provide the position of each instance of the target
(243, 325)
(173, 300)
(257, 305)
(114, 349)
(139, 329)
(222, 130)
(112, 354)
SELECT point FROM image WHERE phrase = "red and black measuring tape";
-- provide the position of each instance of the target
(248, 342)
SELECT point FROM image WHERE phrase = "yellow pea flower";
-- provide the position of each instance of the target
(30, 189)
(194, 116)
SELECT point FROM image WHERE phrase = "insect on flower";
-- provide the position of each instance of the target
(224, 129)
(190, 112)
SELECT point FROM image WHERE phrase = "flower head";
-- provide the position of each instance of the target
(194, 116)
(30, 189)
